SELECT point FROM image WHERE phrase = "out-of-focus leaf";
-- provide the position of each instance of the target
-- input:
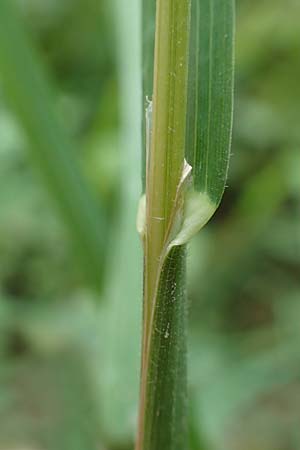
(47, 403)
(244, 377)
(117, 367)
(31, 99)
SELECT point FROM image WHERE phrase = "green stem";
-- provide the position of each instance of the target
(169, 118)
(163, 175)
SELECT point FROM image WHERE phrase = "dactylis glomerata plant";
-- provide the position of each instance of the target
(187, 94)
(187, 97)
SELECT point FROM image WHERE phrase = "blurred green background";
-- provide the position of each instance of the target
(70, 260)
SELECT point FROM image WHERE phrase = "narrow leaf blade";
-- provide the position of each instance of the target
(210, 101)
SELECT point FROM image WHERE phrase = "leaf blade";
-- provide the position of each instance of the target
(210, 103)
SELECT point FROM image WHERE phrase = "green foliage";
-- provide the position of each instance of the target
(31, 98)
(57, 387)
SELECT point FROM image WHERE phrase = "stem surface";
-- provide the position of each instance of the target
(164, 284)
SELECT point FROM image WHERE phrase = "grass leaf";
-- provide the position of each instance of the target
(210, 101)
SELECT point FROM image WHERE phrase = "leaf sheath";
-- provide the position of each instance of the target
(165, 421)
